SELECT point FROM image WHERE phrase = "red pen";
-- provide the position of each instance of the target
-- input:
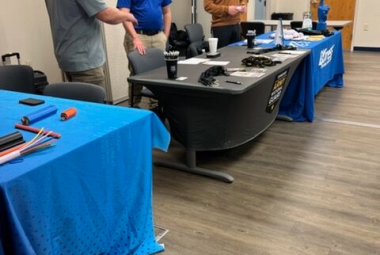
(36, 130)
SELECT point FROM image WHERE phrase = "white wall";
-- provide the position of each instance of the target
(116, 66)
(367, 15)
(181, 13)
(24, 28)
(3, 38)
(204, 18)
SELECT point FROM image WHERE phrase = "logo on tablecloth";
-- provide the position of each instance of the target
(326, 56)
(276, 91)
(300, 44)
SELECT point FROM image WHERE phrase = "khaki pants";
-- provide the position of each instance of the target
(93, 76)
(155, 41)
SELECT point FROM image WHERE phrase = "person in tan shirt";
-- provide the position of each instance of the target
(225, 24)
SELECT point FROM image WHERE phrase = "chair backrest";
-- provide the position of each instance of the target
(177, 37)
(77, 91)
(252, 25)
(194, 32)
(196, 48)
(154, 58)
(173, 30)
(18, 78)
(298, 24)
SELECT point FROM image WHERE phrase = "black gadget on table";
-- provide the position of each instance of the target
(31, 101)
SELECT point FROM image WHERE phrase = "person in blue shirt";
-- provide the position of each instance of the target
(77, 37)
(154, 19)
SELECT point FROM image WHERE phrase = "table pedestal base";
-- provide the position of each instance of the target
(284, 118)
(191, 167)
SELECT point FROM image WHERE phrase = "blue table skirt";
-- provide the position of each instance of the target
(324, 66)
(92, 192)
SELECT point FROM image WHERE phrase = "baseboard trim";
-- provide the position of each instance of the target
(376, 49)
(119, 100)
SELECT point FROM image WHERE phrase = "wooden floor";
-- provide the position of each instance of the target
(299, 189)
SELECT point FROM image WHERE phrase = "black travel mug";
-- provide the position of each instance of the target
(250, 41)
(171, 67)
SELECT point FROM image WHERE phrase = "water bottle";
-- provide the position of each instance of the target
(307, 22)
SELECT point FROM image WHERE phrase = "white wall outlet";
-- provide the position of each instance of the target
(365, 27)
(28, 63)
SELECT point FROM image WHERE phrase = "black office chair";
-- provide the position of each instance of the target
(18, 78)
(194, 32)
(154, 58)
(252, 25)
(197, 48)
(298, 24)
(77, 91)
(196, 37)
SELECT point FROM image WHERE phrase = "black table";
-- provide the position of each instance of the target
(205, 118)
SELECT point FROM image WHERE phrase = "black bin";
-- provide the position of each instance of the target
(282, 15)
(40, 81)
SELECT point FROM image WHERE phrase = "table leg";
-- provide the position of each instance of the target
(191, 167)
(131, 95)
(284, 118)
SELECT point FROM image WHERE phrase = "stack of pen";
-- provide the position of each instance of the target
(171, 55)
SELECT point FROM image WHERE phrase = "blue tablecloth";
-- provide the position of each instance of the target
(324, 66)
(92, 192)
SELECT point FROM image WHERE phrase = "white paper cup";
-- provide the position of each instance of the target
(213, 44)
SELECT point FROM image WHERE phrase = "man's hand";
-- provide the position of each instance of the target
(132, 19)
(233, 10)
(112, 15)
(237, 9)
(129, 16)
(138, 45)
(242, 8)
